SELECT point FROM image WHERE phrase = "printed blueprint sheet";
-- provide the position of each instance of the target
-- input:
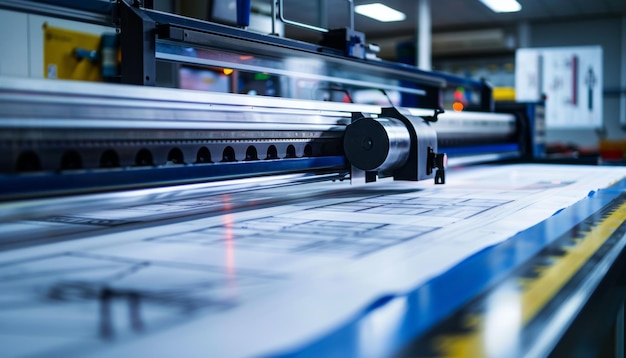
(234, 279)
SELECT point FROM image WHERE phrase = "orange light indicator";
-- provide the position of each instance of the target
(227, 71)
(457, 106)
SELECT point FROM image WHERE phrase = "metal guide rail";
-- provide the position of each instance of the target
(88, 135)
(63, 137)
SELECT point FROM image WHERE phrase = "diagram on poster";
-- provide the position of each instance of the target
(570, 80)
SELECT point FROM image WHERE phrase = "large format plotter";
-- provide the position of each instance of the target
(139, 220)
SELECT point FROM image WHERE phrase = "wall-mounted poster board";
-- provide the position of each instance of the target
(570, 80)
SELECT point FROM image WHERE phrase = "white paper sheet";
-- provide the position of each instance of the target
(261, 280)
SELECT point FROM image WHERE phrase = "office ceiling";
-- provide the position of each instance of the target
(446, 14)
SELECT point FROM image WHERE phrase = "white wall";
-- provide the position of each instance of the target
(14, 44)
(607, 33)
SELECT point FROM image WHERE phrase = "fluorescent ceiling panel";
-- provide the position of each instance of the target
(502, 5)
(380, 12)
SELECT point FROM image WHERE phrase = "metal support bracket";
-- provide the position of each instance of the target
(138, 45)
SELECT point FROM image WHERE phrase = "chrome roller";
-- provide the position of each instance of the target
(377, 144)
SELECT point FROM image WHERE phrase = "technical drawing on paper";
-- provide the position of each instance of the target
(78, 297)
(303, 235)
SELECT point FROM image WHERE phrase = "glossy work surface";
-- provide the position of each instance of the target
(319, 269)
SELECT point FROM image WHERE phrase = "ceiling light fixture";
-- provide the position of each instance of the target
(380, 12)
(502, 5)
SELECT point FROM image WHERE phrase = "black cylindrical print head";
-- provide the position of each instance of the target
(377, 144)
